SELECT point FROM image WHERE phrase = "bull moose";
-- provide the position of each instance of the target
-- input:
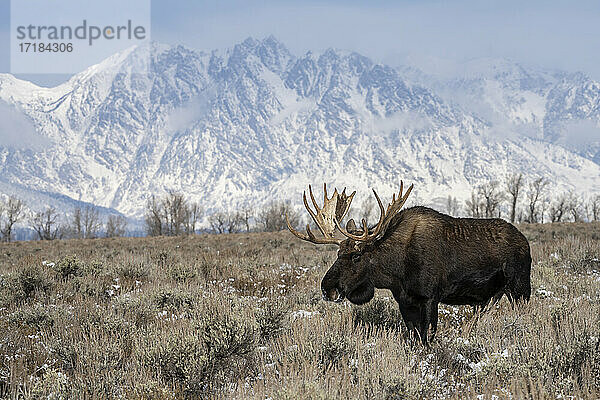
(423, 256)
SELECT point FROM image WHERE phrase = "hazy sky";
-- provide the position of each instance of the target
(556, 34)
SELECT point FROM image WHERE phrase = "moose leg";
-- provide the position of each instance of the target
(496, 299)
(518, 273)
(411, 314)
(480, 308)
(522, 282)
(429, 314)
(432, 311)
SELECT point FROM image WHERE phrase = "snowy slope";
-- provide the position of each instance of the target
(555, 106)
(255, 123)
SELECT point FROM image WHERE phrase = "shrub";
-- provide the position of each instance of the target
(94, 268)
(399, 388)
(458, 355)
(68, 267)
(137, 311)
(203, 359)
(305, 390)
(334, 347)
(30, 280)
(52, 384)
(65, 354)
(132, 271)
(226, 338)
(173, 300)
(98, 286)
(152, 390)
(272, 319)
(210, 269)
(182, 359)
(378, 313)
(182, 272)
(574, 355)
(6, 291)
(36, 317)
(162, 259)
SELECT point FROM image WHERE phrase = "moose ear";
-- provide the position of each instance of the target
(350, 226)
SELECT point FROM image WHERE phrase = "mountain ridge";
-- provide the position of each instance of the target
(254, 123)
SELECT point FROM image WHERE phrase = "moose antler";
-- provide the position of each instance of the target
(334, 209)
(384, 219)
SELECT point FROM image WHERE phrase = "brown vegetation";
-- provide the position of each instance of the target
(240, 316)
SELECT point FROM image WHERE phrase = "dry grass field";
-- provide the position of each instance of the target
(241, 316)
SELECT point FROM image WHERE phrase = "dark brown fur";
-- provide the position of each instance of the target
(426, 258)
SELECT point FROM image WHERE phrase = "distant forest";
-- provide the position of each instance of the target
(513, 199)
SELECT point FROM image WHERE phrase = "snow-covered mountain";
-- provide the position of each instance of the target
(550, 105)
(255, 123)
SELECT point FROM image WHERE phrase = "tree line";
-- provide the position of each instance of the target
(173, 214)
(526, 202)
(169, 215)
(83, 223)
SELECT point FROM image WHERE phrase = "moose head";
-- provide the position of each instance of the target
(354, 275)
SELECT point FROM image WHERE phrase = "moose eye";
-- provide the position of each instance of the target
(356, 258)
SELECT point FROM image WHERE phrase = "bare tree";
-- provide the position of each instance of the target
(175, 212)
(272, 217)
(534, 195)
(520, 216)
(85, 223)
(492, 198)
(246, 214)
(116, 226)
(514, 182)
(218, 222)
(474, 205)
(14, 209)
(171, 215)
(234, 222)
(154, 217)
(485, 202)
(226, 222)
(543, 207)
(91, 222)
(595, 207)
(194, 211)
(76, 226)
(575, 207)
(559, 208)
(452, 206)
(45, 224)
(586, 206)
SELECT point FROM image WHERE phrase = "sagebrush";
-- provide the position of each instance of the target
(240, 316)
